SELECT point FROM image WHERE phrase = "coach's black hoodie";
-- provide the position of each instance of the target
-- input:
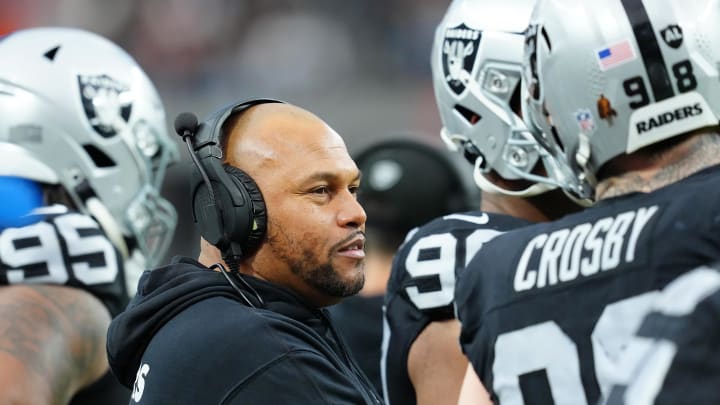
(188, 338)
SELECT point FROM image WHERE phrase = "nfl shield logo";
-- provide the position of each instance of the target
(458, 56)
(585, 120)
(107, 103)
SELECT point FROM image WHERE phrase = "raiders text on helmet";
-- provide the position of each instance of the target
(611, 77)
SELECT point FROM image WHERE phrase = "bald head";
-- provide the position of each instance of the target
(260, 137)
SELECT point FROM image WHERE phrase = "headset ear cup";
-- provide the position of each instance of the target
(258, 225)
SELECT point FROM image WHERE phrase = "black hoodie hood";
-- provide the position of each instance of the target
(166, 291)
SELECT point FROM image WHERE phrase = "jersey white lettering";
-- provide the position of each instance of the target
(570, 259)
(139, 386)
(597, 247)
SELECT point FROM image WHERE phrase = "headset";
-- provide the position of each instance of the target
(227, 205)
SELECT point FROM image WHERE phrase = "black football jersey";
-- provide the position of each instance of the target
(422, 283)
(675, 356)
(68, 248)
(546, 319)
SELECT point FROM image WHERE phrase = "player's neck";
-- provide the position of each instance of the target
(513, 206)
(646, 175)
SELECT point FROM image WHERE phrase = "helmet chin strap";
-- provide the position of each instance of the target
(100, 212)
(490, 187)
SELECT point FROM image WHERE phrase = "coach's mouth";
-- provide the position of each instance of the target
(354, 249)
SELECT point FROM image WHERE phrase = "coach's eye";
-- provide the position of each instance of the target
(321, 190)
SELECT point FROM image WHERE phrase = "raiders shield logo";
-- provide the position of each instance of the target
(107, 103)
(458, 56)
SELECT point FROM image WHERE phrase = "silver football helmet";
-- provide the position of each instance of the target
(605, 78)
(477, 66)
(77, 111)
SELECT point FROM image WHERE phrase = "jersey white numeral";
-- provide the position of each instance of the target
(68, 226)
(546, 346)
(646, 360)
(442, 266)
(541, 346)
(48, 251)
(614, 329)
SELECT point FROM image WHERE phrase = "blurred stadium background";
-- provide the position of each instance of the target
(361, 65)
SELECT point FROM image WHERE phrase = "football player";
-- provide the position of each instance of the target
(625, 94)
(673, 359)
(476, 65)
(82, 127)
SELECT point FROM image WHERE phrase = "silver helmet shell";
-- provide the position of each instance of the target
(608, 78)
(77, 111)
(476, 67)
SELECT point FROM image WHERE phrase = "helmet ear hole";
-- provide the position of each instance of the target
(100, 158)
(515, 99)
(470, 116)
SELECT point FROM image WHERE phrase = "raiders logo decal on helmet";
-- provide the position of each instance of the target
(107, 103)
(459, 49)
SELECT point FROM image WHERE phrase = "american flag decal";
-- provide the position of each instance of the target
(615, 55)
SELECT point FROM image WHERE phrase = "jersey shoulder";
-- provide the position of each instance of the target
(64, 247)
